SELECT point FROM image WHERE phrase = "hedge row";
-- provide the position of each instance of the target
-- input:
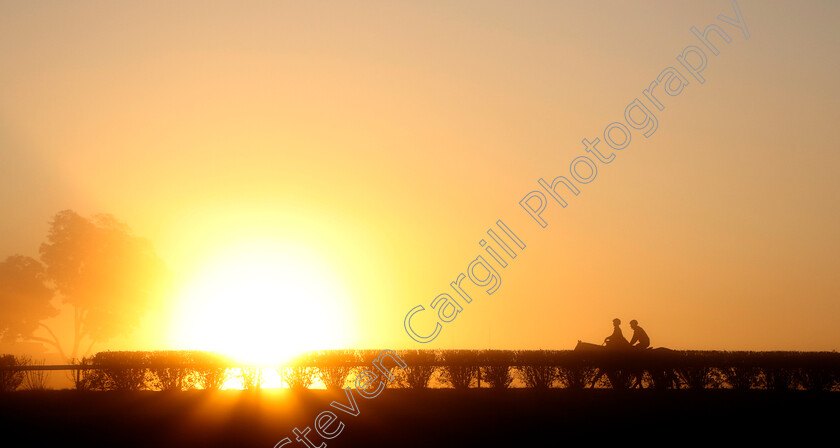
(157, 370)
(461, 369)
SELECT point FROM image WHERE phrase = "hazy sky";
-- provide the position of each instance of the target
(382, 139)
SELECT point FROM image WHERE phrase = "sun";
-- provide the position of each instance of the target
(262, 303)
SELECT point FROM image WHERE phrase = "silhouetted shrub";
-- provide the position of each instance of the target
(300, 373)
(697, 370)
(820, 371)
(419, 370)
(87, 377)
(460, 368)
(575, 371)
(334, 366)
(695, 377)
(742, 377)
(251, 378)
(123, 370)
(33, 379)
(739, 370)
(778, 369)
(578, 377)
(817, 378)
(172, 370)
(211, 369)
(10, 376)
(496, 367)
(367, 358)
(663, 379)
(616, 378)
(777, 378)
(537, 368)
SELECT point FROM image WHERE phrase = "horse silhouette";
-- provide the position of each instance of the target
(623, 367)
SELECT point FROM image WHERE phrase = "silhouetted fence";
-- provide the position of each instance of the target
(459, 369)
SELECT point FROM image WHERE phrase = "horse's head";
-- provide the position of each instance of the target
(586, 346)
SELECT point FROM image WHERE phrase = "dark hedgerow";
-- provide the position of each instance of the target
(158, 370)
(463, 369)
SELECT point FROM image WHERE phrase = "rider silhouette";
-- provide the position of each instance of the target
(616, 339)
(639, 336)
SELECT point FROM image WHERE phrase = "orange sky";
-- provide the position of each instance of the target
(385, 138)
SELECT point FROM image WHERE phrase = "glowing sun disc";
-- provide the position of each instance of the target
(262, 303)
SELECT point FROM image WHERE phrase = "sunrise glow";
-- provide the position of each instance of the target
(261, 302)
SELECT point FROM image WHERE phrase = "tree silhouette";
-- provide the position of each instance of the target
(24, 299)
(107, 275)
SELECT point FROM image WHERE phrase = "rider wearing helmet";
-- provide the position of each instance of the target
(616, 339)
(639, 336)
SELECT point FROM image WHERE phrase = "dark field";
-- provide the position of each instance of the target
(406, 418)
